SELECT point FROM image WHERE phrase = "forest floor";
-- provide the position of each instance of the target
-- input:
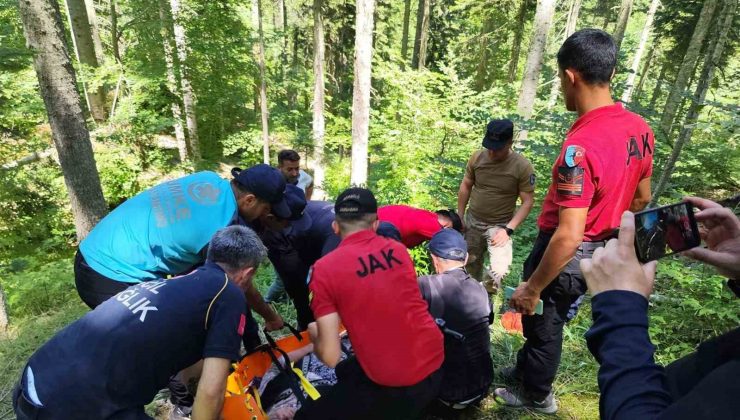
(575, 387)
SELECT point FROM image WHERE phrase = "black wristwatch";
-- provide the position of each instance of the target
(509, 231)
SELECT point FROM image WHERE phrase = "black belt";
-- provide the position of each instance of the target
(591, 246)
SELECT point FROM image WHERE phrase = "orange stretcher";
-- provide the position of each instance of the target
(242, 401)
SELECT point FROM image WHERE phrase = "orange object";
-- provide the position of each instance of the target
(242, 400)
(512, 322)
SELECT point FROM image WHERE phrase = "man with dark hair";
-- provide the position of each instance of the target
(369, 283)
(289, 164)
(604, 168)
(495, 177)
(418, 225)
(114, 360)
(465, 308)
(701, 385)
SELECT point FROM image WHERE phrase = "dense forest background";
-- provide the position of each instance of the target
(161, 88)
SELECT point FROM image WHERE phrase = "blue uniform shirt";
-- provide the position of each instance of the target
(161, 230)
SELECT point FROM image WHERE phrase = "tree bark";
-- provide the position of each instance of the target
(627, 94)
(361, 90)
(318, 123)
(92, 17)
(516, 42)
(570, 27)
(263, 85)
(542, 21)
(481, 72)
(114, 31)
(624, 15)
(173, 85)
(645, 71)
(405, 36)
(3, 312)
(713, 56)
(188, 96)
(82, 37)
(675, 97)
(419, 58)
(279, 14)
(42, 27)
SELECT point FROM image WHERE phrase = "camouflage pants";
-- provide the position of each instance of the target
(478, 236)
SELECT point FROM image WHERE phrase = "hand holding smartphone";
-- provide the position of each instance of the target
(664, 231)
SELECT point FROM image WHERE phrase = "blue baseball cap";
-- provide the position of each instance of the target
(388, 230)
(449, 244)
(266, 183)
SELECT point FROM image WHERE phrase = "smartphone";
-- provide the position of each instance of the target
(509, 291)
(666, 230)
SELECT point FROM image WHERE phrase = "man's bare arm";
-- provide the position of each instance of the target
(523, 211)
(273, 320)
(463, 195)
(642, 196)
(211, 388)
(324, 334)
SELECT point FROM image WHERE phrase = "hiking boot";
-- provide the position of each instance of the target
(510, 374)
(180, 412)
(509, 397)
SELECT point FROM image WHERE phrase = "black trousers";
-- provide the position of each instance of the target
(93, 287)
(538, 360)
(355, 396)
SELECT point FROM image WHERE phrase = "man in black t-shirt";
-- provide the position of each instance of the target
(462, 303)
(113, 361)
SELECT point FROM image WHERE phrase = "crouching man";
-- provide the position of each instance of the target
(369, 284)
(462, 303)
(112, 361)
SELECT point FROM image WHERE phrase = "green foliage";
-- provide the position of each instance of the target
(34, 287)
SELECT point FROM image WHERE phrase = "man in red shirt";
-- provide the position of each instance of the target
(604, 168)
(418, 225)
(369, 284)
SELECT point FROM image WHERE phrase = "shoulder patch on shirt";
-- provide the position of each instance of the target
(532, 179)
(574, 155)
(570, 181)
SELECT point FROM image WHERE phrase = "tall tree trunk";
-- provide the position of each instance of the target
(263, 85)
(82, 37)
(542, 21)
(624, 15)
(645, 71)
(114, 31)
(481, 72)
(713, 56)
(318, 123)
(279, 15)
(570, 27)
(419, 59)
(405, 36)
(658, 86)
(188, 96)
(516, 42)
(361, 90)
(627, 94)
(42, 27)
(92, 17)
(173, 85)
(675, 97)
(3, 312)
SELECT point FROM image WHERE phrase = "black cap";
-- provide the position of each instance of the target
(498, 134)
(355, 201)
(388, 230)
(296, 200)
(449, 244)
(266, 183)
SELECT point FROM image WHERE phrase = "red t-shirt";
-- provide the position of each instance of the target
(415, 225)
(371, 283)
(606, 153)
